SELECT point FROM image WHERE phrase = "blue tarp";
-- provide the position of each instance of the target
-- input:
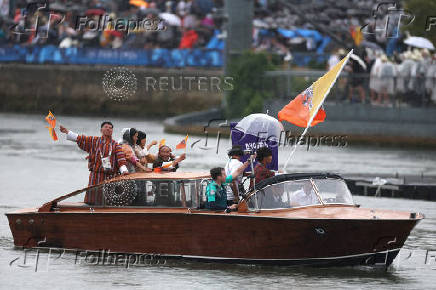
(144, 57)
(319, 39)
(159, 57)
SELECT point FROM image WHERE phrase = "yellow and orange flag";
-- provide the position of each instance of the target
(51, 120)
(182, 144)
(162, 143)
(306, 109)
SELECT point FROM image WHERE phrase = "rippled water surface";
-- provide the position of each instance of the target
(34, 170)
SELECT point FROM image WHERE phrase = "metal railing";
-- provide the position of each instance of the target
(356, 88)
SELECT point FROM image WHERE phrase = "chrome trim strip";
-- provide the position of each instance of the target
(302, 259)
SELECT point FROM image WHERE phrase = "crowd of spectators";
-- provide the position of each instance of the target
(386, 66)
(341, 20)
(192, 23)
(407, 78)
(162, 24)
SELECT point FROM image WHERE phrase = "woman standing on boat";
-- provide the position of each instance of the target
(142, 149)
(130, 137)
(105, 158)
(264, 157)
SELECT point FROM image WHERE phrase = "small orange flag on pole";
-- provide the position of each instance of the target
(182, 144)
(51, 120)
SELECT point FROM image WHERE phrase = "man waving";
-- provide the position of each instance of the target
(105, 158)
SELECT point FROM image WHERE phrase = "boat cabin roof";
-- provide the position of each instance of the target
(294, 176)
(163, 175)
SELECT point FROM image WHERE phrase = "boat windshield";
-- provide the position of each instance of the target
(299, 193)
(149, 193)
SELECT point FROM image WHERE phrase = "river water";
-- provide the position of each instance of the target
(35, 169)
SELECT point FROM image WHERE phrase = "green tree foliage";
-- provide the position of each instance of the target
(422, 9)
(251, 88)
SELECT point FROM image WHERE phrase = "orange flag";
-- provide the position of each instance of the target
(52, 133)
(297, 111)
(306, 109)
(182, 144)
(51, 120)
(162, 143)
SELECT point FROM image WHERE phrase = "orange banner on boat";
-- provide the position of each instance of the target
(51, 120)
(182, 144)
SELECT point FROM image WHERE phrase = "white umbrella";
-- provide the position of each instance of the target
(419, 42)
(262, 126)
(171, 19)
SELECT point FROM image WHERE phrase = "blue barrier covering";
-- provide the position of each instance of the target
(160, 57)
(303, 59)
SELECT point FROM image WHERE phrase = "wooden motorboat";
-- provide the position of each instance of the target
(290, 219)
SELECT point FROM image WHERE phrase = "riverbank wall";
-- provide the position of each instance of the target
(79, 90)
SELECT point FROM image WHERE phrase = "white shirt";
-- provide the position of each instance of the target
(231, 166)
(141, 152)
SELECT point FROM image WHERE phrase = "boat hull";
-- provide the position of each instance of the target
(218, 237)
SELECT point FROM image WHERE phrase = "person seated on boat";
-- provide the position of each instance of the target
(264, 157)
(304, 196)
(235, 154)
(166, 161)
(216, 192)
(105, 158)
(130, 137)
(142, 150)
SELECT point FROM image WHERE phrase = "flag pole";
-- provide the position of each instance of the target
(316, 112)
